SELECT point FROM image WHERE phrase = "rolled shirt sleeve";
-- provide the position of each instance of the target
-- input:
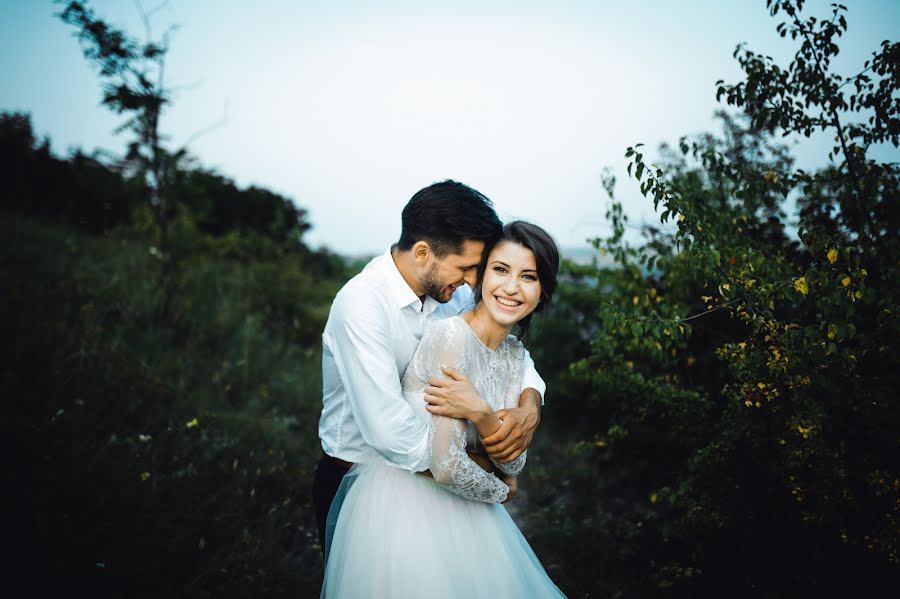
(531, 379)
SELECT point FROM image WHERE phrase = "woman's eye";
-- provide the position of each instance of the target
(499, 269)
(530, 277)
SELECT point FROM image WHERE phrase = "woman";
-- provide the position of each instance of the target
(394, 534)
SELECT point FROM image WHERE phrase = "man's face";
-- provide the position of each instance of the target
(445, 274)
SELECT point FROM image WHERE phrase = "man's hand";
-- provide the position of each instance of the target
(455, 397)
(513, 483)
(517, 430)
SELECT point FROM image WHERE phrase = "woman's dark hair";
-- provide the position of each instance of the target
(446, 214)
(546, 257)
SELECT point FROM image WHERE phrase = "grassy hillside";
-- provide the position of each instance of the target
(157, 458)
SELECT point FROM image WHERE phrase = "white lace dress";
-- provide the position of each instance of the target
(396, 534)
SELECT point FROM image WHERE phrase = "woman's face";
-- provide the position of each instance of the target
(510, 289)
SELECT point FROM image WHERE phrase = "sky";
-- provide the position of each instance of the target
(349, 107)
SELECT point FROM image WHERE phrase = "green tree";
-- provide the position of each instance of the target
(134, 84)
(81, 190)
(746, 373)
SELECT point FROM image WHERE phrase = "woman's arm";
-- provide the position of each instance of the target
(506, 433)
(511, 480)
(513, 468)
(484, 462)
(450, 393)
(446, 344)
(455, 470)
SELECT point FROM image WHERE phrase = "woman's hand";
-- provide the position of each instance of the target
(455, 397)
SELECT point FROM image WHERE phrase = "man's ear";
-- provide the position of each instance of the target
(421, 251)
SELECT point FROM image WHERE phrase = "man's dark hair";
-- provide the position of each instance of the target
(446, 214)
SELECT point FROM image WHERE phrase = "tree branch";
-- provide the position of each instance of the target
(857, 182)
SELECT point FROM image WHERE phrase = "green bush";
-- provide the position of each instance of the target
(742, 359)
(160, 458)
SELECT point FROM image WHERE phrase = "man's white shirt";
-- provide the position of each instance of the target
(373, 329)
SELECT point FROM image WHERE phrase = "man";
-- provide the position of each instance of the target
(375, 324)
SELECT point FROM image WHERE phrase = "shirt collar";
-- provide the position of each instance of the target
(401, 293)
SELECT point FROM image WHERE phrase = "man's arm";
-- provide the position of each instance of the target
(360, 342)
(519, 424)
(508, 432)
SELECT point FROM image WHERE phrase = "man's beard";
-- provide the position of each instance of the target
(433, 288)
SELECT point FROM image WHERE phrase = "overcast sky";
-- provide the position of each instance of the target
(348, 108)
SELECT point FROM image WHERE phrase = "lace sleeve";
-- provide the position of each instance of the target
(518, 364)
(445, 344)
(513, 468)
(454, 470)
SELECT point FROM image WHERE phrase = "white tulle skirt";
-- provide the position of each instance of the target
(395, 534)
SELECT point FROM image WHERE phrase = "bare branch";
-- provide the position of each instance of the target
(186, 86)
(157, 8)
(209, 128)
(145, 18)
(716, 309)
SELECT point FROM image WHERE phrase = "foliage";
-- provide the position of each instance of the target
(155, 458)
(746, 378)
(81, 191)
(133, 76)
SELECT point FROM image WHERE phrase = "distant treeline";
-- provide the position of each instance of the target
(92, 194)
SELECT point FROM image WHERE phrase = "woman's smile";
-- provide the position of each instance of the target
(507, 303)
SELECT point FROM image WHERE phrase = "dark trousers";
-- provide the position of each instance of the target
(328, 477)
